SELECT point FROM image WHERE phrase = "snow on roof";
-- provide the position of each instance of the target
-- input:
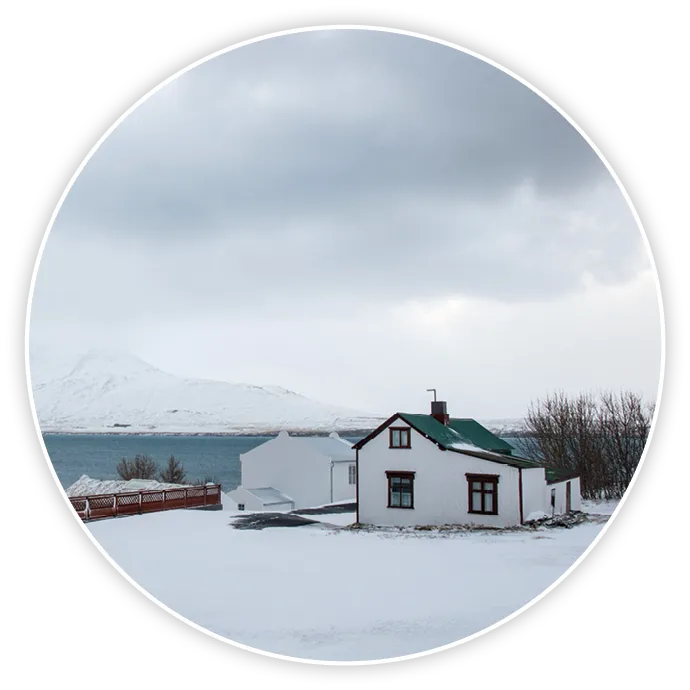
(462, 445)
(269, 496)
(335, 448)
(86, 486)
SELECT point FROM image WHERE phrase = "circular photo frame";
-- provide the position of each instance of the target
(609, 548)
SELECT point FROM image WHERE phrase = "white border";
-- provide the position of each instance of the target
(663, 156)
(233, 642)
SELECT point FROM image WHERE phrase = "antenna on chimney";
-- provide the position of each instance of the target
(432, 390)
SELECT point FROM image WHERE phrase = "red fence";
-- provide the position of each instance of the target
(137, 502)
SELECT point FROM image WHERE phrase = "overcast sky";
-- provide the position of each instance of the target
(357, 216)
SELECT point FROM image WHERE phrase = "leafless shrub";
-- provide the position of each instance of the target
(602, 439)
(174, 472)
(142, 467)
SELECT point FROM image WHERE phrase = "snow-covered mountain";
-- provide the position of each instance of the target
(112, 391)
(508, 426)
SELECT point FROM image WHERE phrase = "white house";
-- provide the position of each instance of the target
(308, 470)
(419, 469)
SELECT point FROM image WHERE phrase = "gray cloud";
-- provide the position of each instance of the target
(341, 170)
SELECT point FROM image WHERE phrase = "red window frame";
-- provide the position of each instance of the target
(489, 486)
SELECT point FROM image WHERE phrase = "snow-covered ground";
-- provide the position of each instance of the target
(324, 593)
(342, 519)
(86, 486)
(599, 507)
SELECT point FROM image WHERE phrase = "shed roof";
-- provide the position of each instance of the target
(269, 496)
(559, 474)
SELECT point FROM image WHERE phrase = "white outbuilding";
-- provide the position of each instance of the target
(262, 499)
(417, 469)
(310, 470)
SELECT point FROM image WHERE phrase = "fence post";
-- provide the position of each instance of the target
(87, 509)
(140, 502)
(115, 505)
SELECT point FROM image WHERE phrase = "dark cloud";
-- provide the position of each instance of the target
(302, 127)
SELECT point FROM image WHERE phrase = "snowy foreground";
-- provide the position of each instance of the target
(324, 593)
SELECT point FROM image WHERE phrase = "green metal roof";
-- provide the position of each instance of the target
(470, 437)
(431, 427)
(558, 474)
(480, 435)
(465, 436)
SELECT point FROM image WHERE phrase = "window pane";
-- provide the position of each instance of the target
(395, 498)
(395, 482)
(476, 501)
(489, 503)
(395, 438)
(405, 437)
(476, 486)
(406, 500)
(488, 486)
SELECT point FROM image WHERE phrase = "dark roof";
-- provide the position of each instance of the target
(468, 431)
(558, 474)
(460, 436)
(480, 435)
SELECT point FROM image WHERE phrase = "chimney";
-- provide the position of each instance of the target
(439, 411)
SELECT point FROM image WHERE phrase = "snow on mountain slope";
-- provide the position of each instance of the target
(108, 391)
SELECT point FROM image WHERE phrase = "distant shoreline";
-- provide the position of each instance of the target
(513, 433)
(266, 432)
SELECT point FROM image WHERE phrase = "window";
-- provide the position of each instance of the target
(240, 506)
(351, 474)
(482, 494)
(399, 437)
(400, 489)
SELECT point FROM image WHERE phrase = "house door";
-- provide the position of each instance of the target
(567, 497)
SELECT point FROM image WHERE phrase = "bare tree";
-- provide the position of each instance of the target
(174, 472)
(625, 421)
(600, 439)
(142, 467)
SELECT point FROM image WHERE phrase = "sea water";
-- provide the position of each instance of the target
(205, 458)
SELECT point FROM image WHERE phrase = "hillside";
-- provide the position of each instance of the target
(110, 392)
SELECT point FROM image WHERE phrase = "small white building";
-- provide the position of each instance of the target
(310, 470)
(264, 498)
(419, 469)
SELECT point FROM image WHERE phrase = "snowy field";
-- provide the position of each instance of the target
(599, 507)
(319, 592)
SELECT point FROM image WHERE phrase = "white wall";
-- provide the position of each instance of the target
(559, 488)
(291, 466)
(440, 486)
(533, 496)
(342, 489)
